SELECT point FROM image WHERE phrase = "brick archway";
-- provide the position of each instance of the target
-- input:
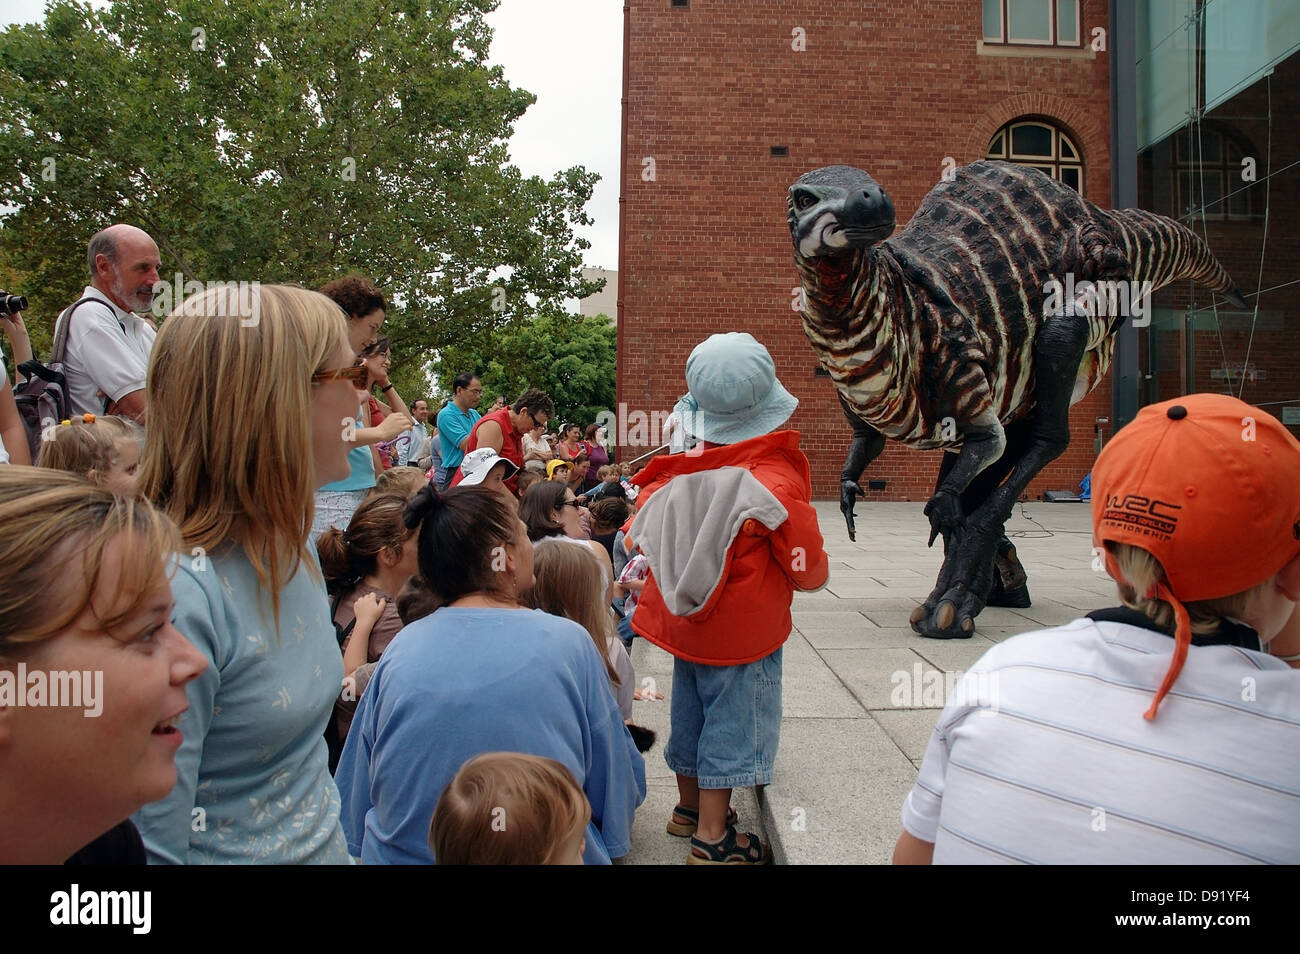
(1088, 128)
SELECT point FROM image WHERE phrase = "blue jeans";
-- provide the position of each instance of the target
(726, 722)
(625, 632)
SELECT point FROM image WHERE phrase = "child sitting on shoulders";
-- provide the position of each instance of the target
(102, 448)
(507, 808)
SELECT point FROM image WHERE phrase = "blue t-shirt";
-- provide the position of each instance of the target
(462, 682)
(252, 773)
(362, 464)
(454, 426)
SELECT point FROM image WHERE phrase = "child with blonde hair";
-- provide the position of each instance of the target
(507, 808)
(102, 448)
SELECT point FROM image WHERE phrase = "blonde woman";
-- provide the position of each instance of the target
(84, 594)
(254, 781)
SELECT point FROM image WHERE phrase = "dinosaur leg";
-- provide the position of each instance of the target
(1009, 582)
(1057, 352)
(1002, 565)
(866, 447)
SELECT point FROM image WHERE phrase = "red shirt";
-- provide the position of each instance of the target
(512, 444)
(748, 617)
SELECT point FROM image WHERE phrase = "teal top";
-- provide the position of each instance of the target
(253, 782)
(362, 462)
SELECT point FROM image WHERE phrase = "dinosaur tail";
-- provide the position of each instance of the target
(1163, 251)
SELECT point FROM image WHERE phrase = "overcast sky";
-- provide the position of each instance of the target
(569, 54)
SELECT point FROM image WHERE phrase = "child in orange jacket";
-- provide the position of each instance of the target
(730, 534)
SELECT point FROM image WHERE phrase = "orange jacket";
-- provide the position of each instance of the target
(748, 616)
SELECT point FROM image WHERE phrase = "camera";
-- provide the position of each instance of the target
(11, 303)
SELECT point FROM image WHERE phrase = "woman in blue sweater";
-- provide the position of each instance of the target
(481, 674)
(228, 459)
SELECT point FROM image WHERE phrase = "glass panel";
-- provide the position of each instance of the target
(1031, 139)
(1073, 177)
(993, 20)
(998, 147)
(1213, 192)
(1187, 192)
(1208, 148)
(1242, 40)
(1049, 170)
(1067, 21)
(1030, 21)
(1239, 201)
(1067, 150)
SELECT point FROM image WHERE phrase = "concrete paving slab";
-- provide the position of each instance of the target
(873, 674)
(809, 688)
(861, 637)
(849, 815)
(910, 729)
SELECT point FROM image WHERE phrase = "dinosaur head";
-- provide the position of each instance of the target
(835, 209)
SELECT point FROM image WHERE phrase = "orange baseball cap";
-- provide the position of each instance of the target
(1209, 486)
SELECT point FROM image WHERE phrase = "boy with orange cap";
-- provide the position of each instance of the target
(1156, 733)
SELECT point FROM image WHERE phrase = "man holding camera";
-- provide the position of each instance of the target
(108, 347)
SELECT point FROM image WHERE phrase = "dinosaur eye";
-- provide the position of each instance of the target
(805, 200)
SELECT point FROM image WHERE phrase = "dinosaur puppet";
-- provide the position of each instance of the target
(956, 334)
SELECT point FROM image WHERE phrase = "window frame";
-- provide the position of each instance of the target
(1051, 164)
(1226, 168)
(1004, 24)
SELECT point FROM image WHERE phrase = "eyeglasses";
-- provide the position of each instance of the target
(474, 390)
(571, 503)
(355, 374)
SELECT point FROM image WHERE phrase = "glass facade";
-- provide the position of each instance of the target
(1218, 90)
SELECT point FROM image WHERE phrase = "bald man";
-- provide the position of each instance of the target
(107, 356)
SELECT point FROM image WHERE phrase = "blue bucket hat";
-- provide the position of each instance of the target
(734, 394)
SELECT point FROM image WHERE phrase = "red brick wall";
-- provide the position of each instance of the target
(881, 85)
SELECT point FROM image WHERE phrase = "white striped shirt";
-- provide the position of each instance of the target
(1043, 755)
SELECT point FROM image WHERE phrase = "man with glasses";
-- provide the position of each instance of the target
(456, 420)
(503, 430)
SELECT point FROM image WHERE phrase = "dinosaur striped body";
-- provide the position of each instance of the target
(935, 327)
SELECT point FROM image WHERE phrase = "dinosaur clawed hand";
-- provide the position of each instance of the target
(849, 494)
(946, 517)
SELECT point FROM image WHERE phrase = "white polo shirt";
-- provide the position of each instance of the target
(108, 351)
(1042, 755)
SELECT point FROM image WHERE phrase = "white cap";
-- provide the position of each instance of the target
(479, 463)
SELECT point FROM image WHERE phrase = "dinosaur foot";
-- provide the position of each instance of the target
(950, 616)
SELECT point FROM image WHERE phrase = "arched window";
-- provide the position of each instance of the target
(1031, 142)
(1219, 171)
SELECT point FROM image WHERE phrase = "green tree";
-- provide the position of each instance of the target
(285, 140)
(570, 357)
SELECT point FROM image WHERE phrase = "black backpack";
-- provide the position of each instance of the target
(43, 398)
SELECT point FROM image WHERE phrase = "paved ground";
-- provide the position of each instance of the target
(852, 736)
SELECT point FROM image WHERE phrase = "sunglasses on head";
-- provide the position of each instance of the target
(355, 374)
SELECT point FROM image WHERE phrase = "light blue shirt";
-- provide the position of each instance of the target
(253, 782)
(362, 464)
(454, 426)
(462, 682)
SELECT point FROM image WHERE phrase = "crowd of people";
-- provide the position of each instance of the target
(318, 632)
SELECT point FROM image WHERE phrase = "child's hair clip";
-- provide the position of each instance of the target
(88, 418)
(65, 423)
